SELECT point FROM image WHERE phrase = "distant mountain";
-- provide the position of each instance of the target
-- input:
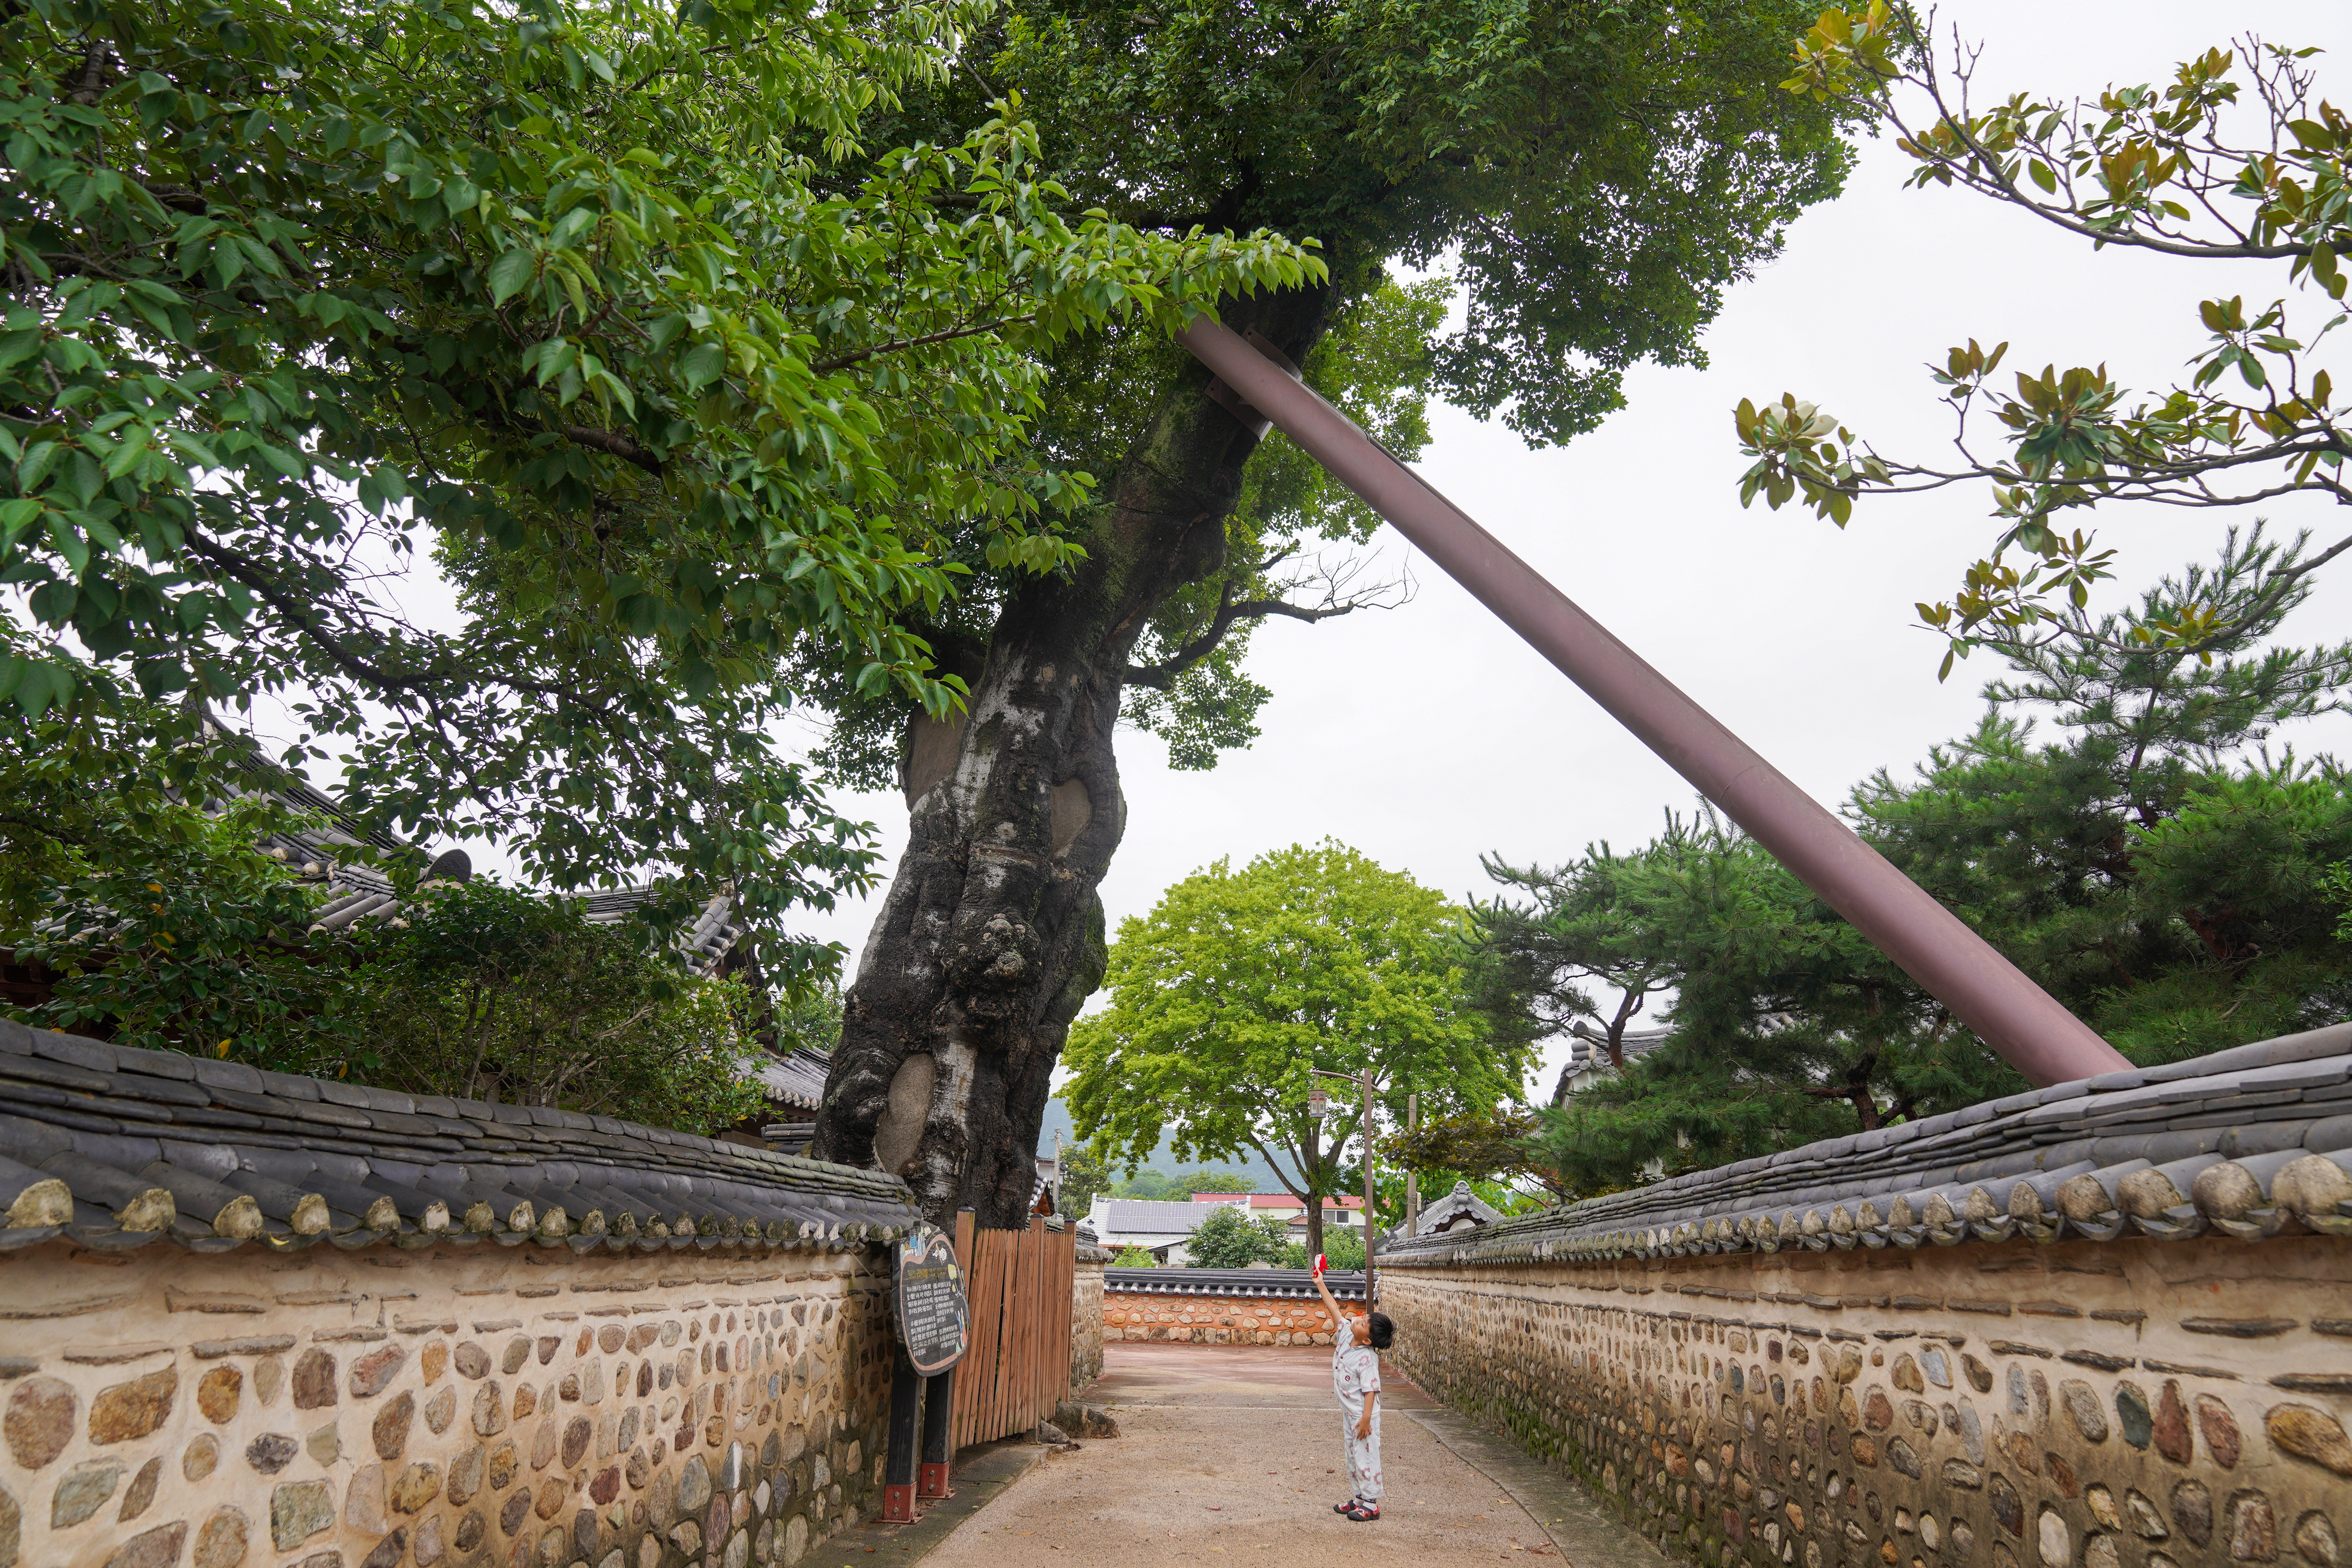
(1163, 1159)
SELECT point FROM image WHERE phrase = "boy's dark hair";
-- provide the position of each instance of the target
(1378, 1331)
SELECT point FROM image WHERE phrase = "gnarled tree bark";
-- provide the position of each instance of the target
(992, 936)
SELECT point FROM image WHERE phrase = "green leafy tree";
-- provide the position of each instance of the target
(621, 312)
(500, 994)
(1343, 1247)
(162, 923)
(1238, 984)
(1228, 1238)
(2154, 866)
(809, 1015)
(1491, 1149)
(2234, 159)
(166, 925)
(1596, 175)
(1134, 1257)
(1537, 956)
(1085, 1174)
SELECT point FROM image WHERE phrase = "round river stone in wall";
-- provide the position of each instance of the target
(217, 1394)
(40, 1421)
(221, 1543)
(2310, 1435)
(314, 1381)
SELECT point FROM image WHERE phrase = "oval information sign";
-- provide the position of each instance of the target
(934, 1318)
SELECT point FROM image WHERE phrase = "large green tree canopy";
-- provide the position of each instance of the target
(1588, 178)
(621, 311)
(1239, 984)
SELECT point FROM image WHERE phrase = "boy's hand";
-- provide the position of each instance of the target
(1364, 1428)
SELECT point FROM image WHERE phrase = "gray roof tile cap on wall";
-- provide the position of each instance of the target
(114, 1147)
(2047, 1164)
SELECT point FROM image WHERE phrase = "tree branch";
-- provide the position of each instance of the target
(897, 345)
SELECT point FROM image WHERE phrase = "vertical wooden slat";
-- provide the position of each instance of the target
(1003, 1278)
(1022, 1318)
(1029, 1327)
(992, 1287)
(967, 1255)
(1008, 1373)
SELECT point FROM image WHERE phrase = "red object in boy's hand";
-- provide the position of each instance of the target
(1321, 1263)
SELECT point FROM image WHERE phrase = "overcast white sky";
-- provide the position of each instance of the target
(1428, 735)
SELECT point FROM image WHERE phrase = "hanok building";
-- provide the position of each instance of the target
(714, 946)
(1291, 1211)
(1163, 1230)
(1587, 1056)
(1459, 1209)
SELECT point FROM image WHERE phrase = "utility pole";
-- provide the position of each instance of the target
(1412, 1176)
(1371, 1231)
(1367, 1082)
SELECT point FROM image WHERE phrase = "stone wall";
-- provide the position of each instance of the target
(1214, 1320)
(2133, 1403)
(1087, 1318)
(436, 1405)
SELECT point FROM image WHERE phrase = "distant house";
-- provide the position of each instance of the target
(1163, 1230)
(1281, 1206)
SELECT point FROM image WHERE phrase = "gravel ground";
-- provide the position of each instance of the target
(1227, 1455)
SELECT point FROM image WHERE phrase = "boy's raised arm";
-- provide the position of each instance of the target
(1323, 1290)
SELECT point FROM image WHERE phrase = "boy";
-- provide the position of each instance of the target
(1356, 1378)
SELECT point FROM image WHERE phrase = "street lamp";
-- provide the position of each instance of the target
(1319, 1105)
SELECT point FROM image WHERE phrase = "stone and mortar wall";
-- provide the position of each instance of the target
(1087, 1321)
(1214, 1320)
(2133, 1404)
(466, 1407)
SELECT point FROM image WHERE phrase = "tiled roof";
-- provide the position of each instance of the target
(359, 893)
(797, 1077)
(114, 1148)
(1454, 1206)
(1588, 1052)
(1285, 1284)
(2248, 1142)
(1273, 1200)
(362, 893)
(1144, 1216)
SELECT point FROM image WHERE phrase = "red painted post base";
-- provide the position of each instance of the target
(935, 1483)
(899, 1505)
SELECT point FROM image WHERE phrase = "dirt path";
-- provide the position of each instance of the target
(1232, 1455)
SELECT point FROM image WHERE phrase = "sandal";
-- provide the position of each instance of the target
(1343, 1507)
(1362, 1512)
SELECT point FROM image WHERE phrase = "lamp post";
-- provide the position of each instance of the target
(1369, 1085)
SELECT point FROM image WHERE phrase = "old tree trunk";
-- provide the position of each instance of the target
(992, 936)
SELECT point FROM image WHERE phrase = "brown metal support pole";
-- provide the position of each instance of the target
(2035, 1035)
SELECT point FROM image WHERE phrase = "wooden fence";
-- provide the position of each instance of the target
(1018, 1367)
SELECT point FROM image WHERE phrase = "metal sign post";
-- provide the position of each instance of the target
(1959, 968)
(934, 1332)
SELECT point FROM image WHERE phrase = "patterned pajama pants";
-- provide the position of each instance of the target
(1363, 1458)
